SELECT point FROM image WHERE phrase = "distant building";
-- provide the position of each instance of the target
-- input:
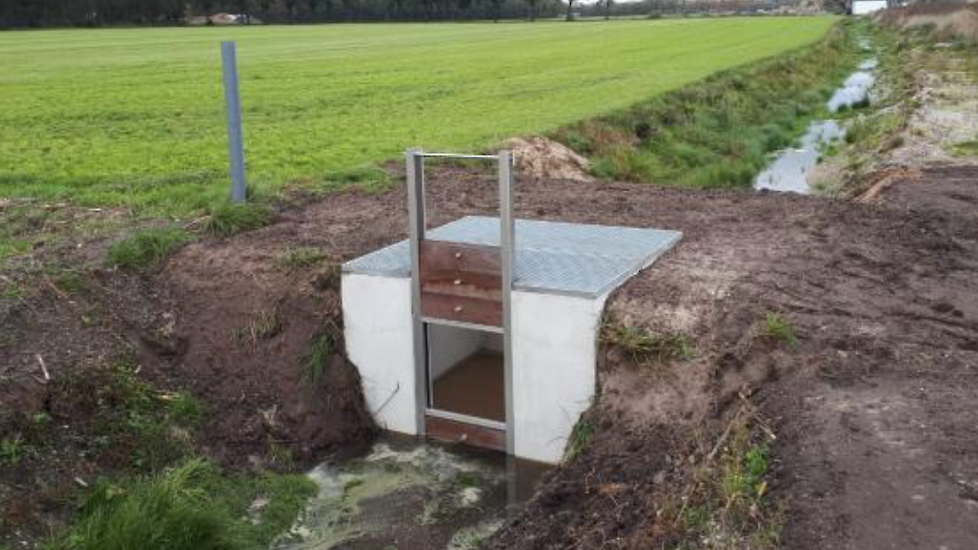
(224, 19)
(863, 7)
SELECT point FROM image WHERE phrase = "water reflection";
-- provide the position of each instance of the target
(790, 168)
(789, 171)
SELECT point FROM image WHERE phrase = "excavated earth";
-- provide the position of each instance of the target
(872, 410)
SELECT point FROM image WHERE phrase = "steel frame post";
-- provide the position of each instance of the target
(417, 228)
(506, 247)
(232, 99)
(414, 160)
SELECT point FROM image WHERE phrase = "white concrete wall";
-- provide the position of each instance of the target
(379, 341)
(554, 369)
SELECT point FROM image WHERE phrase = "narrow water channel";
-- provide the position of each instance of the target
(790, 167)
(412, 496)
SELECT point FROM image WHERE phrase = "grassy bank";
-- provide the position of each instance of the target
(718, 132)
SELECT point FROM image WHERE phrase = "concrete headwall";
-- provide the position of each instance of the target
(380, 342)
(554, 354)
(554, 369)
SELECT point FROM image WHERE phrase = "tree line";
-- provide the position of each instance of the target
(96, 13)
(45, 13)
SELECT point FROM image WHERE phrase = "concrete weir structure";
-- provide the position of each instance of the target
(484, 330)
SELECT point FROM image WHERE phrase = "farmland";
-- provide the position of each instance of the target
(135, 118)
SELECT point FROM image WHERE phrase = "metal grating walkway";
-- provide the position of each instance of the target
(550, 257)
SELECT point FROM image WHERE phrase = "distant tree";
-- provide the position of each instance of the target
(570, 10)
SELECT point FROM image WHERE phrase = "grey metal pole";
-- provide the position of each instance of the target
(229, 58)
(417, 226)
(506, 245)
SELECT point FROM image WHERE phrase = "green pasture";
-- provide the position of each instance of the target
(134, 117)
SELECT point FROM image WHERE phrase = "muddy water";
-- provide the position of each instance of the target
(408, 496)
(790, 168)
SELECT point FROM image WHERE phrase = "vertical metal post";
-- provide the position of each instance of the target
(416, 229)
(229, 58)
(506, 246)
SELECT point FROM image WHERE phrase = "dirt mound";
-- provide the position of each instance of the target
(260, 325)
(541, 158)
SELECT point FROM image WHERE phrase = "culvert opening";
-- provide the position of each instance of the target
(465, 373)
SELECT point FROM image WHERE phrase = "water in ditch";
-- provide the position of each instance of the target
(412, 496)
(790, 168)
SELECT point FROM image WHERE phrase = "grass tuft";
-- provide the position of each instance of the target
(300, 258)
(184, 409)
(580, 438)
(779, 327)
(12, 450)
(230, 219)
(147, 248)
(966, 148)
(264, 324)
(644, 345)
(319, 354)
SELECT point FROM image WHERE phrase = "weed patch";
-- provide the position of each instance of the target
(230, 219)
(184, 409)
(726, 504)
(147, 248)
(128, 422)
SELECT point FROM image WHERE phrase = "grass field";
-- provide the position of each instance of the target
(135, 117)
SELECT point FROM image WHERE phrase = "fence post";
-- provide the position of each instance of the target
(229, 58)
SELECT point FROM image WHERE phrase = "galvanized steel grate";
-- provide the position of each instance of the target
(550, 257)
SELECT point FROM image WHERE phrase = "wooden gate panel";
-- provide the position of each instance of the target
(461, 282)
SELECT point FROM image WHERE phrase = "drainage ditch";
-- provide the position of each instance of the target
(790, 168)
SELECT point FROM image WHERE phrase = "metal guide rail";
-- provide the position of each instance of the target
(459, 284)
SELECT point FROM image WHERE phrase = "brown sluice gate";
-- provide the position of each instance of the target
(473, 387)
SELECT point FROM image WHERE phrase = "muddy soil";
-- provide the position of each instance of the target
(872, 409)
